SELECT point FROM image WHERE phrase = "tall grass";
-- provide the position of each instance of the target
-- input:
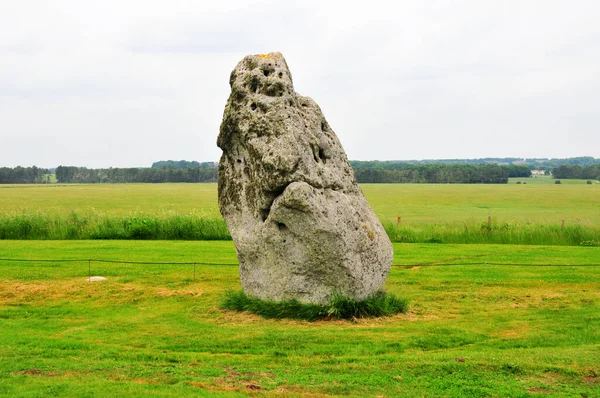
(172, 226)
(339, 307)
(98, 226)
(515, 233)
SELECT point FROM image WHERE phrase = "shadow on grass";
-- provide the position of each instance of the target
(340, 307)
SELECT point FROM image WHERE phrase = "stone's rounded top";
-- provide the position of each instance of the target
(262, 74)
(269, 127)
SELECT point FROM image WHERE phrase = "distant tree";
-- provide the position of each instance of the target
(576, 171)
(178, 164)
(22, 175)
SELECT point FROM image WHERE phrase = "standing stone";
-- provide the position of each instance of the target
(301, 225)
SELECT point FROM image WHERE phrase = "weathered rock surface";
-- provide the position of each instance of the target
(301, 225)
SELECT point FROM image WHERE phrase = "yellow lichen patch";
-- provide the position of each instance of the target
(274, 56)
(369, 232)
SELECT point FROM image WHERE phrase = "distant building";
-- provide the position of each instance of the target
(538, 172)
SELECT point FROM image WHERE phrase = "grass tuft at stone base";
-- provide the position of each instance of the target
(340, 307)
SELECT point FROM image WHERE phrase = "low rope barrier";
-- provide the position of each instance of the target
(95, 260)
(495, 264)
(433, 264)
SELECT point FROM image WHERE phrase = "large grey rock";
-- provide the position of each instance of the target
(301, 225)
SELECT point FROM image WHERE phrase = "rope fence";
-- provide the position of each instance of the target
(89, 262)
(95, 260)
(438, 264)
(432, 264)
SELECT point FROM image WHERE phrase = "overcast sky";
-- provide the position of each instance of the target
(126, 83)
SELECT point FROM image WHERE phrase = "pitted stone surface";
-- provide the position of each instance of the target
(301, 225)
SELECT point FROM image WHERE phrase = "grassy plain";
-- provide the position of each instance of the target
(472, 330)
(549, 180)
(111, 199)
(520, 214)
(416, 203)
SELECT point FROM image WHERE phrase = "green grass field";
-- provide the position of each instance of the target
(548, 180)
(111, 199)
(520, 214)
(157, 330)
(415, 203)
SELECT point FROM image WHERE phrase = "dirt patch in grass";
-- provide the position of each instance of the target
(238, 381)
(250, 374)
(15, 291)
(77, 289)
(592, 377)
(541, 390)
(32, 372)
(514, 333)
(552, 296)
(141, 380)
(227, 317)
(224, 384)
(227, 385)
(171, 293)
(295, 391)
(53, 373)
(71, 289)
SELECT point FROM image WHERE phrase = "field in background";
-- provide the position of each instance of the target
(436, 213)
(473, 330)
(548, 180)
(111, 199)
(416, 203)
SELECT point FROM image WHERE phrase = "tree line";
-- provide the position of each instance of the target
(532, 163)
(366, 172)
(437, 173)
(83, 175)
(513, 170)
(24, 175)
(549, 164)
(181, 164)
(578, 172)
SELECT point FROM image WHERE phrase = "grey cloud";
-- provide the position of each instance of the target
(396, 80)
(256, 28)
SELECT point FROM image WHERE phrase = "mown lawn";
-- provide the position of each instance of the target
(472, 330)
